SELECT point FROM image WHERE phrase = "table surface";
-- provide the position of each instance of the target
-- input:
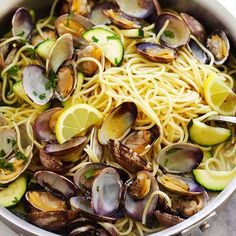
(225, 222)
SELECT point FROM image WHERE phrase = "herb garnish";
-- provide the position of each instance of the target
(13, 70)
(2, 153)
(53, 78)
(15, 200)
(20, 155)
(95, 40)
(116, 62)
(21, 34)
(35, 93)
(169, 34)
(6, 165)
(48, 85)
(42, 96)
(111, 37)
(12, 141)
(89, 173)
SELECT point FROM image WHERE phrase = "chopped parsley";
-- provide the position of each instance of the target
(6, 165)
(10, 88)
(95, 40)
(48, 85)
(21, 34)
(111, 37)
(35, 93)
(42, 96)
(116, 62)
(53, 78)
(13, 70)
(15, 200)
(12, 141)
(173, 150)
(169, 34)
(2, 153)
(89, 173)
(21, 156)
(97, 188)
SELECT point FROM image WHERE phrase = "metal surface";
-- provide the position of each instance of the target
(212, 14)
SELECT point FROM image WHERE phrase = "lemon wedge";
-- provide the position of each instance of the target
(75, 120)
(219, 96)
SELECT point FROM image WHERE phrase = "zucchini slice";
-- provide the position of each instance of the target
(206, 135)
(109, 41)
(19, 91)
(14, 192)
(133, 33)
(210, 182)
(43, 49)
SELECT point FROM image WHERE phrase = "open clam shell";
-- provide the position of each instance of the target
(219, 46)
(196, 28)
(167, 219)
(136, 8)
(180, 158)
(106, 192)
(74, 25)
(45, 201)
(57, 184)
(118, 123)
(36, 84)
(179, 185)
(176, 33)
(122, 20)
(134, 207)
(22, 23)
(61, 51)
(41, 125)
(155, 52)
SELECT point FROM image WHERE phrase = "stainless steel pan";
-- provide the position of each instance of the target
(214, 16)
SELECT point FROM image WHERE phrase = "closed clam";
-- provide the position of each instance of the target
(118, 123)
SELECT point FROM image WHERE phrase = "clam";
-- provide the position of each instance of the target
(106, 192)
(219, 46)
(167, 219)
(48, 34)
(126, 157)
(85, 177)
(52, 220)
(22, 23)
(68, 147)
(180, 158)
(88, 50)
(80, 7)
(45, 201)
(97, 17)
(197, 52)
(140, 141)
(41, 125)
(196, 28)
(95, 146)
(53, 120)
(176, 34)
(66, 80)
(155, 52)
(50, 163)
(7, 142)
(61, 51)
(57, 184)
(122, 20)
(228, 119)
(118, 123)
(136, 8)
(75, 25)
(137, 193)
(179, 185)
(83, 204)
(36, 84)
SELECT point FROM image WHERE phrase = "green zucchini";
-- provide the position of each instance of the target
(109, 42)
(43, 49)
(206, 135)
(19, 91)
(80, 81)
(133, 33)
(11, 195)
(211, 182)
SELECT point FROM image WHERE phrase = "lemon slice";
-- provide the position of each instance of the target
(219, 96)
(74, 120)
